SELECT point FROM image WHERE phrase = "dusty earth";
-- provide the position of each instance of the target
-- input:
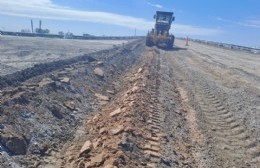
(18, 53)
(134, 106)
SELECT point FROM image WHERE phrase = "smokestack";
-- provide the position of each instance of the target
(32, 25)
(40, 25)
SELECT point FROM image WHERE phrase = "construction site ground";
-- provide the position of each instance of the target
(129, 105)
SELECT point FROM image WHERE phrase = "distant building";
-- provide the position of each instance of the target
(42, 31)
(25, 31)
(87, 35)
(68, 35)
(61, 33)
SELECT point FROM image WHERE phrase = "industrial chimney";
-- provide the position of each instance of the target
(40, 26)
(32, 25)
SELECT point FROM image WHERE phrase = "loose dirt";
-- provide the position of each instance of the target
(134, 106)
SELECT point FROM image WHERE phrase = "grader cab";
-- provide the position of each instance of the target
(160, 35)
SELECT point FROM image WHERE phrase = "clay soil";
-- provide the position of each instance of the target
(134, 106)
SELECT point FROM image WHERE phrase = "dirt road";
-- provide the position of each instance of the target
(219, 93)
(194, 106)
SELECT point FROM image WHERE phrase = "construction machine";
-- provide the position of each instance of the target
(160, 35)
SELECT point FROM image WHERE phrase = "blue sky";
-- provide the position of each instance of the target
(230, 21)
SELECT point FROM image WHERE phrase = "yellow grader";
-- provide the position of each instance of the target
(160, 36)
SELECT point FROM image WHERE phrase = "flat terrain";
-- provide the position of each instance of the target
(134, 106)
(18, 53)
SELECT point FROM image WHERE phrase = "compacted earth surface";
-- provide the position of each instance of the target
(18, 53)
(133, 106)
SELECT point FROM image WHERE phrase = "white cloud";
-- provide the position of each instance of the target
(251, 23)
(46, 9)
(246, 23)
(154, 5)
(189, 30)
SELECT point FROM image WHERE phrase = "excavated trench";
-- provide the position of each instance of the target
(42, 107)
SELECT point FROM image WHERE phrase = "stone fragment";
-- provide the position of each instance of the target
(108, 166)
(2, 126)
(117, 130)
(166, 161)
(68, 68)
(62, 73)
(97, 143)
(110, 92)
(134, 89)
(95, 117)
(65, 80)
(16, 145)
(110, 163)
(102, 97)
(99, 72)
(70, 104)
(102, 130)
(86, 148)
(46, 81)
(151, 165)
(140, 70)
(98, 160)
(100, 63)
(115, 112)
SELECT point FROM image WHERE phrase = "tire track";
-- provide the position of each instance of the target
(232, 142)
(154, 145)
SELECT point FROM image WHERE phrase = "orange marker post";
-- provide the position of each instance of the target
(187, 41)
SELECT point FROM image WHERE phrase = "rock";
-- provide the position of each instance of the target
(140, 70)
(115, 113)
(68, 68)
(99, 72)
(2, 126)
(110, 163)
(16, 145)
(134, 89)
(125, 144)
(56, 111)
(43, 148)
(102, 130)
(95, 118)
(97, 160)
(110, 92)
(117, 130)
(102, 97)
(108, 166)
(1, 149)
(166, 161)
(100, 63)
(86, 148)
(65, 80)
(70, 105)
(62, 73)
(97, 143)
(46, 81)
(25, 114)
